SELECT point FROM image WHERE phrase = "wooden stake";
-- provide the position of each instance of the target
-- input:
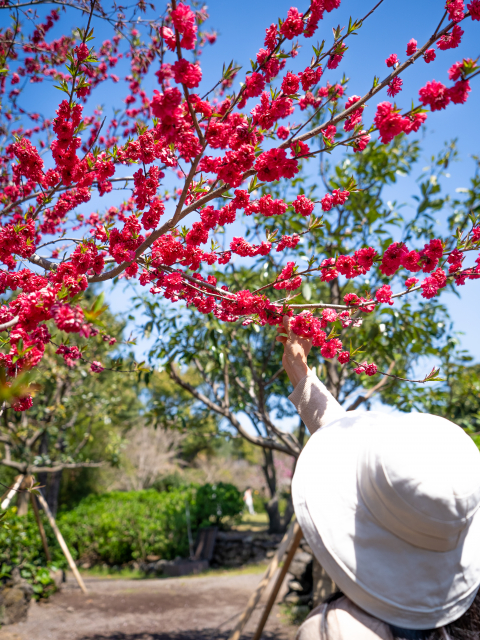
(267, 576)
(62, 543)
(40, 527)
(278, 582)
(12, 492)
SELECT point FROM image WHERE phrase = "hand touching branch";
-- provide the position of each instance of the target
(295, 352)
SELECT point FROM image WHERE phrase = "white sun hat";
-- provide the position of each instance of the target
(389, 505)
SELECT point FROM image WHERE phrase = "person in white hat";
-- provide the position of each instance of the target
(389, 504)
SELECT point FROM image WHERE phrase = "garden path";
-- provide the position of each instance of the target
(193, 608)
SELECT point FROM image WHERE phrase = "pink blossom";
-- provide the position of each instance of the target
(389, 122)
(329, 133)
(392, 258)
(392, 60)
(96, 367)
(23, 404)
(411, 47)
(365, 258)
(455, 10)
(459, 92)
(429, 55)
(187, 73)
(303, 205)
(68, 319)
(474, 9)
(290, 84)
(271, 37)
(330, 348)
(371, 369)
(452, 39)
(293, 25)
(394, 86)
(435, 95)
(384, 294)
(361, 141)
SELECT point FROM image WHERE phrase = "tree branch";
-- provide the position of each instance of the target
(67, 465)
(19, 466)
(10, 323)
(266, 443)
(361, 399)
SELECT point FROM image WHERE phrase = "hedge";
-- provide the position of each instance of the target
(118, 527)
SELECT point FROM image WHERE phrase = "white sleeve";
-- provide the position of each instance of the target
(314, 403)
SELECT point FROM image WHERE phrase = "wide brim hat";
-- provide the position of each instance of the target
(389, 506)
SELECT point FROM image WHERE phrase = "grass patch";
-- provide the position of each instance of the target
(256, 522)
(233, 571)
(294, 614)
(135, 574)
(124, 573)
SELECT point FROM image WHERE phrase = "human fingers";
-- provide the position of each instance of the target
(286, 326)
(282, 336)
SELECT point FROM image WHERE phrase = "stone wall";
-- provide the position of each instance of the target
(15, 596)
(300, 577)
(236, 548)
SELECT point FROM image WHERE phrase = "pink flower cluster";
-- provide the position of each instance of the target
(390, 123)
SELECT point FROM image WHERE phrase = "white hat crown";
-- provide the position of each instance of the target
(421, 481)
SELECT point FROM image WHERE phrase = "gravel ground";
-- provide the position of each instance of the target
(195, 608)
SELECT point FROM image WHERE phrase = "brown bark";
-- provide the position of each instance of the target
(23, 497)
(333, 381)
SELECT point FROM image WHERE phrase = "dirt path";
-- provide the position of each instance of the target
(196, 608)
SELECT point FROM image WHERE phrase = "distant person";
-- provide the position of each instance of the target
(389, 505)
(248, 499)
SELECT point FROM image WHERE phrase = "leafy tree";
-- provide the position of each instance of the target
(457, 398)
(77, 420)
(240, 367)
(169, 406)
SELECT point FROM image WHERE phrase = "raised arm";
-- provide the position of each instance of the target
(315, 405)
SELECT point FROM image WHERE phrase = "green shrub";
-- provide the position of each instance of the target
(21, 546)
(118, 527)
(215, 502)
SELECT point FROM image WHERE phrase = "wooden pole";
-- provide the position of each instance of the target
(279, 581)
(12, 492)
(40, 527)
(267, 576)
(62, 543)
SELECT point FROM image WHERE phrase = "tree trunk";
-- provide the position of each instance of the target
(53, 491)
(333, 382)
(42, 478)
(268, 467)
(23, 498)
(277, 523)
(289, 511)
